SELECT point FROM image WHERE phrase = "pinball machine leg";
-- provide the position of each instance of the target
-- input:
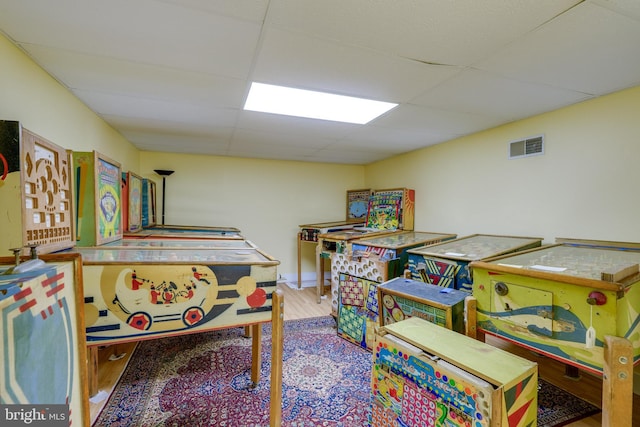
(277, 346)
(617, 385)
(299, 260)
(256, 353)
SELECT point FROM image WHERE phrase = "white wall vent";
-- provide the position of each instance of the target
(532, 146)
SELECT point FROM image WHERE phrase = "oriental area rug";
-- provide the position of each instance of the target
(204, 380)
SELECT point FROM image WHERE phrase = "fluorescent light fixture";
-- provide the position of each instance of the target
(315, 105)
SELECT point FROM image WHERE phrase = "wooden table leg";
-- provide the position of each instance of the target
(277, 348)
(319, 272)
(471, 322)
(92, 367)
(256, 353)
(299, 260)
(617, 385)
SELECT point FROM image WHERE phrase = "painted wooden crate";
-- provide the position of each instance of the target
(427, 375)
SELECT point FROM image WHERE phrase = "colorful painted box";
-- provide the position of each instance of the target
(98, 195)
(425, 375)
(402, 298)
(131, 201)
(35, 192)
(149, 213)
(561, 301)
(357, 204)
(391, 209)
(357, 314)
(378, 258)
(338, 242)
(447, 264)
(43, 355)
(133, 294)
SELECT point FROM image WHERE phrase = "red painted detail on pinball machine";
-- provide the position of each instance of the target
(257, 298)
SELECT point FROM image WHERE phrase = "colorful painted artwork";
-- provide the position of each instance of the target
(358, 310)
(412, 385)
(391, 209)
(447, 264)
(357, 205)
(562, 301)
(134, 197)
(35, 191)
(148, 203)
(98, 199)
(108, 191)
(402, 298)
(42, 343)
(133, 294)
(384, 211)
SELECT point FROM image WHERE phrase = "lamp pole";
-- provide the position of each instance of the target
(164, 174)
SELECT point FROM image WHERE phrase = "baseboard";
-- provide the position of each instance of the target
(306, 277)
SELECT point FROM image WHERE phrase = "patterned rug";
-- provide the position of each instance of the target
(204, 380)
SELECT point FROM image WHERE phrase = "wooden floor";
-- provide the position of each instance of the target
(301, 304)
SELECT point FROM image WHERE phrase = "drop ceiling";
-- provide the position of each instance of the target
(173, 75)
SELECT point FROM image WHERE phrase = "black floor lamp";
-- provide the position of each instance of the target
(164, 174)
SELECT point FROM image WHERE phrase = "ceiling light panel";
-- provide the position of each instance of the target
(314, 105)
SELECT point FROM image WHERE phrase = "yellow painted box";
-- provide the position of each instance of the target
(142, 293)
(561, 300)
(427, 375)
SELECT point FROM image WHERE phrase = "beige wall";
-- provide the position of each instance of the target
(265, 199)
(584, 186)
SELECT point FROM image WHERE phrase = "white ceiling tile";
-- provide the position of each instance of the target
(347, 155)
(301, 61)
(446, 32)
(251, 10)
(107, 75)
(277, 139)
(143, 108)
(144, 31)
(480, 92)
(588, 49)
(629, 8)
(397, 140)
(172, 140)
(265, 122)
(425, 119)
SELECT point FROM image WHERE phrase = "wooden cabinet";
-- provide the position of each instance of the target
(35, 192)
